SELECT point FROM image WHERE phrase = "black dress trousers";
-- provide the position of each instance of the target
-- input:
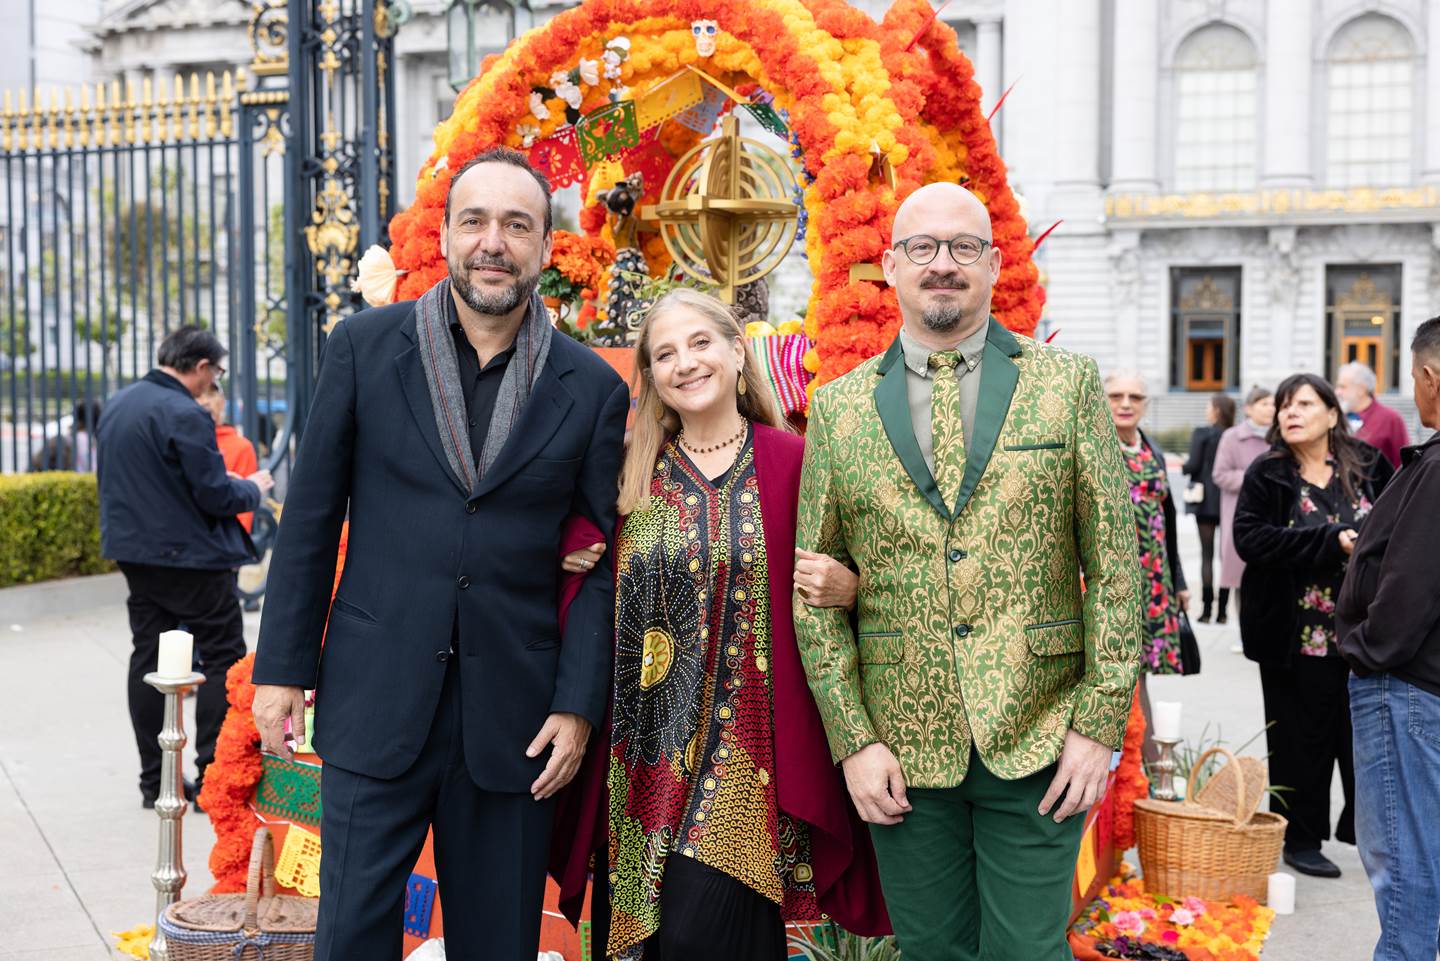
(1308, 707)
(490, 854)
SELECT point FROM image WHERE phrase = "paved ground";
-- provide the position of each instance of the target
(76, 850)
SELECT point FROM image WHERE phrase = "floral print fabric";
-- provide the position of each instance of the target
(1148, 489)
(1319, 507)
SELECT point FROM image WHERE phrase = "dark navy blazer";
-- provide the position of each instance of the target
(425, 555)
(165, 498)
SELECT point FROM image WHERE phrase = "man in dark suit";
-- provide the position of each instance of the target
(460, 432)
(167, 515)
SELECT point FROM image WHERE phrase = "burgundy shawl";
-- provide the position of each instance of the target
(810, 786)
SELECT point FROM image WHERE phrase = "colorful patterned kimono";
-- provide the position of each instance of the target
(1148, 487)
(693, 745)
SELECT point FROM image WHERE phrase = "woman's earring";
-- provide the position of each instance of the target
(740, 384)
(659, 411)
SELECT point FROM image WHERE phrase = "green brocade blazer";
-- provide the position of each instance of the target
(972, 625)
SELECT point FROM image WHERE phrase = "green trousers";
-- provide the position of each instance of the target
(974, 873)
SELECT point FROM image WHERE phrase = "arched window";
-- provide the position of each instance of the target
(1370, 73)
(1215, 93)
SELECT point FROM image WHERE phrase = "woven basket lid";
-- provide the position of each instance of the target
(1237, 788)
(259, 908)
(281, 914)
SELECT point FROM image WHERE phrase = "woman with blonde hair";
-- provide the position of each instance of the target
(726, 816)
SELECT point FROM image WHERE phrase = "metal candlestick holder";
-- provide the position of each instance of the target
(170, 804)
(1164, 768)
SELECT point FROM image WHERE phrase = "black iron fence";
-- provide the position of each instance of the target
(238, 203)
(127, 213)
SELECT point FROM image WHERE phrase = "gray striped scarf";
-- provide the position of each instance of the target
(447, 396)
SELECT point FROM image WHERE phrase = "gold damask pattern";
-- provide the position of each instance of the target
(976, 628)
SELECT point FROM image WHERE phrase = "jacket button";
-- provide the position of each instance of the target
(463, 582)
(957, 555)
(962, 630)
(471, 507)
(442, 656)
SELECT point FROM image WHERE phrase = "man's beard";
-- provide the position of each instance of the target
(943, 316)
(489, 301)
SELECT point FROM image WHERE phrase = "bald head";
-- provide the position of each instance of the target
(941, 264)
(941, 210)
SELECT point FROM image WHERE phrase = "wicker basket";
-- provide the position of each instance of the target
(1187, 848)
(258, 925)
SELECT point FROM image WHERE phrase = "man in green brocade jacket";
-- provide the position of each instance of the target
(970, 476)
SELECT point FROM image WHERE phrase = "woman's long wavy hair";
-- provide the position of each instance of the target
(655, 422)
(1353, 458)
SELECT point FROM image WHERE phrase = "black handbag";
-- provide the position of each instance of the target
(1189, 647)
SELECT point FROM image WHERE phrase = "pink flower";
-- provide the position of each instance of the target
(1170, 937)
(1182, 916)
(1195, 906)
(1129, 922)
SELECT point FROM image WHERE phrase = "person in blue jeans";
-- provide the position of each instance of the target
(1388, 618)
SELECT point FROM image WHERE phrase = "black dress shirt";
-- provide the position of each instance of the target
(481, 385)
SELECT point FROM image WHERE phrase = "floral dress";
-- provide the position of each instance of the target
(1319, 507)
(1148, 489)
(692, 761)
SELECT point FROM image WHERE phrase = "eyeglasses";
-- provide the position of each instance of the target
(964, 249)
(219, 370)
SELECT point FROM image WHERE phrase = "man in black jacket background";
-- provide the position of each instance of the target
(167, 516)
(1388, 617)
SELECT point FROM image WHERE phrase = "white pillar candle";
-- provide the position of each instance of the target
(176, 654)
(1166, 715)
(1281, 894)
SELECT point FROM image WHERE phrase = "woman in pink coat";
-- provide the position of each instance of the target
(1239, 446)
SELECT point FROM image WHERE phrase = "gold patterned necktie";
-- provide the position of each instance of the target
(946, 430)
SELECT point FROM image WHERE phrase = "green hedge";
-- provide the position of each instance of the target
(49, 527)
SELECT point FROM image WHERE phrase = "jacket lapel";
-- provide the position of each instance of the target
(417, 394)
(893, 404)
(998, 377)
(541, 417)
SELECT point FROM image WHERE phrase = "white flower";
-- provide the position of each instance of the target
(528, 132)
(537, 106)
(569, 93)
(559, 77)
(589, 72)
(619, 93)
(612, 65)
(619, 43)
(376, 277)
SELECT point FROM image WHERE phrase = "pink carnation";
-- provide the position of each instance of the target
(1182, 916)
(1195, 906)
(1129, 922)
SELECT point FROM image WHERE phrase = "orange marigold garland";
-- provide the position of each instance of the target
(1131, 784)
(853, 90)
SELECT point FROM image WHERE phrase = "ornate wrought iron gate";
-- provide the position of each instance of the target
(238, 201)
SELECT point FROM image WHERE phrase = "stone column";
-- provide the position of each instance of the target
(988, 72)
(1077, 186)
(1287, 82)
(1133, 153)
(1432, 98)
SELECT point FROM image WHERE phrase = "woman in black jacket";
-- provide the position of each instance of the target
(1202, 498)
(1299, 512)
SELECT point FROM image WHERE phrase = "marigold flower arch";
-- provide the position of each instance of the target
(851, 87)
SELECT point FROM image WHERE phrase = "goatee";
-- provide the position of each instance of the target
(942, 318)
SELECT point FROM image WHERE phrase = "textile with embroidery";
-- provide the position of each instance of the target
(692, 756)
(1148, 489)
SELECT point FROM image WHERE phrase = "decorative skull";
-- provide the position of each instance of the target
(704, 31)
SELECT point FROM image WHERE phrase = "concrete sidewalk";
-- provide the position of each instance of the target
(78, 849)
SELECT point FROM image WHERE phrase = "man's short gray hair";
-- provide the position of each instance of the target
(1360, 373)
